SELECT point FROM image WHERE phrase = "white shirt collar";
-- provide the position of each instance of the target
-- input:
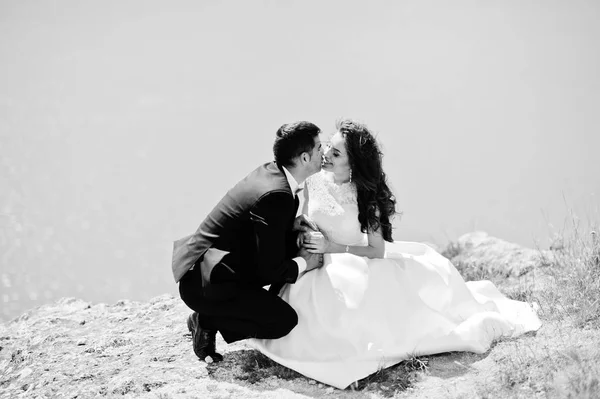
(291, 181)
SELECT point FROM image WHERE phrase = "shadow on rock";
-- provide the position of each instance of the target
(454, 364)
(249, 366)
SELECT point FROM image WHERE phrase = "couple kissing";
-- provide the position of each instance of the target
(344, 299)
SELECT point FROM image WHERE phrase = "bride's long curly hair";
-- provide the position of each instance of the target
(376, 203)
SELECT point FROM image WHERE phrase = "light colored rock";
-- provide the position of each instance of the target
(25, 372)
(478, 250)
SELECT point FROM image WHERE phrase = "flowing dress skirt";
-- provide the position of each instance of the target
(357, 315)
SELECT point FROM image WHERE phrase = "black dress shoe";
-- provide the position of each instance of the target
(204, 340)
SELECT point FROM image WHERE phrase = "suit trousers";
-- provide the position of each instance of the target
(252, 312)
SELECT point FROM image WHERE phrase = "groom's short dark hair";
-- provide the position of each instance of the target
(292, 139)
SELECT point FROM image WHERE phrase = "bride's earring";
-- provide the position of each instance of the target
(350, 176)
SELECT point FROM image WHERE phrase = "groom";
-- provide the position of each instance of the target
(246, 242)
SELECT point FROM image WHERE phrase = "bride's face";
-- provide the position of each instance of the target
(335, 158)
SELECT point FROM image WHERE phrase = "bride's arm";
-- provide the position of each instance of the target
(374, 249)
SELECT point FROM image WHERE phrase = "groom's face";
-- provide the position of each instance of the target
(316, 156)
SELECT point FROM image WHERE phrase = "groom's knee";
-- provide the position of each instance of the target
(291, 321)
(286, 322)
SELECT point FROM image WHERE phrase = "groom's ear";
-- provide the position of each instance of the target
(305, 157)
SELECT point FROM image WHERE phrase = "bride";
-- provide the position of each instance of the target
(376, 301)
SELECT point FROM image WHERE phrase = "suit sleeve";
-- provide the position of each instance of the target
(290, 242)
(271, 217)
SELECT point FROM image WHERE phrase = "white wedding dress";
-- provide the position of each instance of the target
(357, 315)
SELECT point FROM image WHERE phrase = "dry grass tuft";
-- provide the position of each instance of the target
(389, 381)
(563, 360)
(574, 296)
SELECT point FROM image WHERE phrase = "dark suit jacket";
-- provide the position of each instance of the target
(251, 226)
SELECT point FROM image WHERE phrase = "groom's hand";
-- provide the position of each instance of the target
(313, 261)
(305, 224)
(303, 238)
(315, 242)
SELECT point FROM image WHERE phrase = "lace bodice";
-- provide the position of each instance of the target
(334, 208)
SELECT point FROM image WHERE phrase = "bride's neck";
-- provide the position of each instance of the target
(339, 180)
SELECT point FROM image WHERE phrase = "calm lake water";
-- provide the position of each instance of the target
(122, 124)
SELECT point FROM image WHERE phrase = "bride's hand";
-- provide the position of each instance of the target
(316, 242)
